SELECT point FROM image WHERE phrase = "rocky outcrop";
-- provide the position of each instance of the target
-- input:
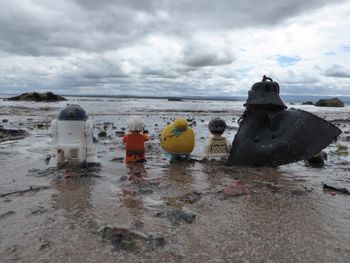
(308, 103)
(38, 97)
(333, 102)
(11, 134)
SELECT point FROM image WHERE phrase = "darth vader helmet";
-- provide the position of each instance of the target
(265, 95)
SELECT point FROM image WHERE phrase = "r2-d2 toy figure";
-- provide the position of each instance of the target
(72, 138)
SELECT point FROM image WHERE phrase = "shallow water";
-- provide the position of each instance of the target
(287, 217)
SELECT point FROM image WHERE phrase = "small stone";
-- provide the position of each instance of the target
(102, 134)
(237, 188)
(5, 121)
(119, 133)
(177, 216)
(7, 214)
(156, 241)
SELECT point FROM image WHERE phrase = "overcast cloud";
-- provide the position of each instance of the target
(166, 47)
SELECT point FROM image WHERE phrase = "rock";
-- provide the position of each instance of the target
(120, 133)
(336, 186)
(38, 210)
(156, 240)
(174, 99)
(35, 96)
(333, 102)
(190, 198)
(12, 134)
(40, 126)
(342, 150)
(176, 216)
(102, 134)
(317, 160)
(9, 213)
(122, 238)
(237, 188)
(308, 103)
(5, 121)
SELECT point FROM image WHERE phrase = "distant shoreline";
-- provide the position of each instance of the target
(286, 98)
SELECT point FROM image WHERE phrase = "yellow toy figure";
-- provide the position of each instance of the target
(177, 139)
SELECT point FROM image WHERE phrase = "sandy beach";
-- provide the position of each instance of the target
(176, 212)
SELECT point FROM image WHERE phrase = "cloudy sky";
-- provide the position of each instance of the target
(174, 47)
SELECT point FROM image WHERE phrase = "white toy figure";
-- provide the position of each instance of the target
(72, 138)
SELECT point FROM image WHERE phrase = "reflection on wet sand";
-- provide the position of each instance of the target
(74, 196)
(130, 199)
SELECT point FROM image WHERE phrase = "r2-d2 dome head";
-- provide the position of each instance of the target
(72, 137)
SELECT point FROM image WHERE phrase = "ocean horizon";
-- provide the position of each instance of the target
(286, 98)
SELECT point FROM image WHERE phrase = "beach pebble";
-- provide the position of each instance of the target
(176, 216)
(102, 134)
(119, 133)
(237, 188)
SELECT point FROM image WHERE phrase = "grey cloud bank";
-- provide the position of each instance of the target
(173, 47)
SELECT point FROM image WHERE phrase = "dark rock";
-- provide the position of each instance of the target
(333, 102)
(174, 99)
(102, 134)
(308, 103)
(44, 245)
(156, 241)
(336, 186)
(12, 134)
(40, 126)
(145, 190)
(119, 133)
(38, 210)
(30, 189)
(177, 216)
(298, 192)
(47, 159)
(34, 96)
(317, 160)
(5, 121)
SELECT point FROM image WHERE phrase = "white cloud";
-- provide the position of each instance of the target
(174, 47)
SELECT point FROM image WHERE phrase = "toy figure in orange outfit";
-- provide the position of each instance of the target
(135, 140)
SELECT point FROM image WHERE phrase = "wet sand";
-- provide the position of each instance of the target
(177, 212)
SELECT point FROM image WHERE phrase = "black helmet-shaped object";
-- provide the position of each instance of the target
(217, 126)
(72, 112)
(265, 94)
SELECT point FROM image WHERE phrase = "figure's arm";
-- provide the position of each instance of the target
(145, 136)
(125, 138)
(228, 145)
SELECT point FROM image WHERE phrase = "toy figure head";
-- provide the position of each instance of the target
(135, 123)
(217, 126)
(265, 95)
